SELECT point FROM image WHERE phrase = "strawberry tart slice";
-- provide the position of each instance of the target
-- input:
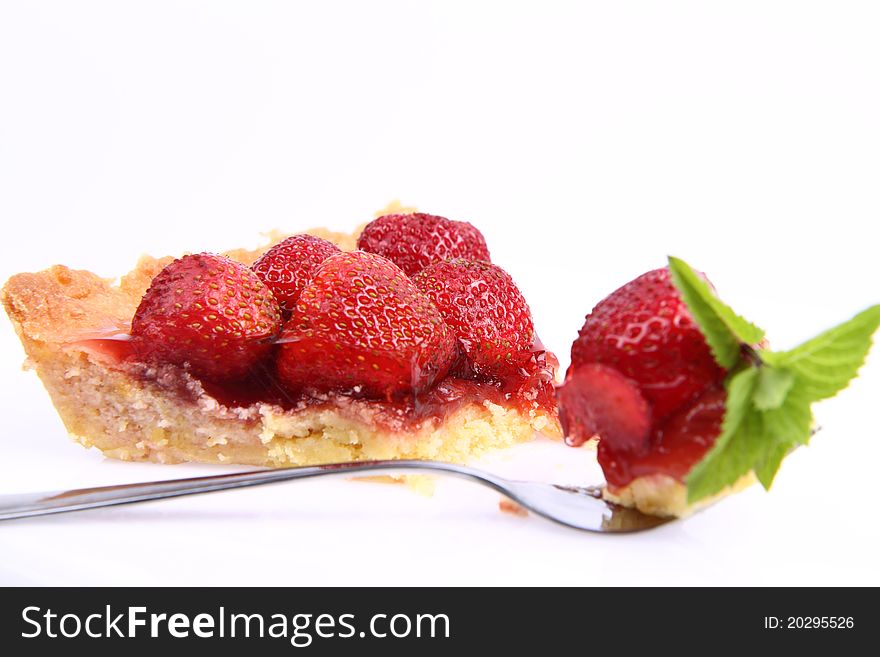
(403, 341)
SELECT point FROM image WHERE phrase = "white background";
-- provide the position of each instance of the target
(587, 141)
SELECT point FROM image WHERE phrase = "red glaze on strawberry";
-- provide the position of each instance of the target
(597, 400)
(362, 339)
(415, 241)
(644, 380)
(645, 331)
(289, 265)
(362, 326)
(209, 313)
(485, 310)
(675, 448)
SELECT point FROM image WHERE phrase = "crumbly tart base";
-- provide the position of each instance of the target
(135, 417)
(661, 495)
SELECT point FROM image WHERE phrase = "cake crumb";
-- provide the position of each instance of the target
(509, 506)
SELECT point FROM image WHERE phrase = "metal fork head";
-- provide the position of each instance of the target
(580, 508)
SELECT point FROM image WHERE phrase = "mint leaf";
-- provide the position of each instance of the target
(768, 410)
(734, 453)
(723, 329)
(752, 439)
(767, 468)
(773, 386)
(782, 429)
(791, 423)
(769, 393)
(826, 364)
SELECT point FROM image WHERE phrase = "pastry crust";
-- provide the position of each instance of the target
(661, 495)
(164, 415)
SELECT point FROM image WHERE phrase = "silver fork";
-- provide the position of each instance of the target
(579, 508)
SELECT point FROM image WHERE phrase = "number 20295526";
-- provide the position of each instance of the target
(808, 622)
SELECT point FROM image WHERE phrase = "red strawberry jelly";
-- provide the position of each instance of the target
(674, 448)
(529, 389)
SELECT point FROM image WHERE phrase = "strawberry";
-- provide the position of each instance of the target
(645, 331)
(288, 266)
(209, 313)
(415, 241)
(485, 310)
(597, 400)
(361, 325)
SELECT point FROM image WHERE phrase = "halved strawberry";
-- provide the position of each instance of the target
(415, 241)
(597, 400)
(288, 266)
(209, 313)
(361, 325)
(675, 448)
(485, 310)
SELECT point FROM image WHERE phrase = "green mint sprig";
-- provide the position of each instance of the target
(769, 393)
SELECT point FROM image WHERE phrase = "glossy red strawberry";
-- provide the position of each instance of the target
(597, 400)
(207, 312)
(361, 325)
(415, 241)
(485, 310)
(288, 266)
(645, 331)
(675, 447)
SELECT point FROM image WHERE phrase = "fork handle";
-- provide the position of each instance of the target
(38, 504)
